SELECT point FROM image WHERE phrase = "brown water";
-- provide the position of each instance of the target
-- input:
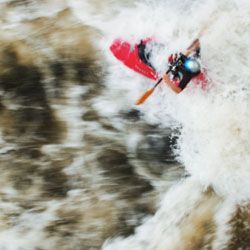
(73, 176)
(69, 180)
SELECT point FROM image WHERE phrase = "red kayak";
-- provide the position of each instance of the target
(129, 55)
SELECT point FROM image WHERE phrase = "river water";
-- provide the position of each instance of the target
(83, 168)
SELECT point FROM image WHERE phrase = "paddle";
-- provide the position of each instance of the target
(150, 91)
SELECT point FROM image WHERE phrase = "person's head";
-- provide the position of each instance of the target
(192, 65)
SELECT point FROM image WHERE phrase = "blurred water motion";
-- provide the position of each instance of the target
(67, 179)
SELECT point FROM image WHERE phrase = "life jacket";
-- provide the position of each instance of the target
(180, 72)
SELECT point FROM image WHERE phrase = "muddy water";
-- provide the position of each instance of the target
(83, 168)
(70, 176)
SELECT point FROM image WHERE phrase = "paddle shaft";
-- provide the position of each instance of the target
(159, 81)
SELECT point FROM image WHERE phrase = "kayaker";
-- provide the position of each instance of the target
(184, 67)
(143, 54)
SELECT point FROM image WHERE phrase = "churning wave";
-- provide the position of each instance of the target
(214, 144)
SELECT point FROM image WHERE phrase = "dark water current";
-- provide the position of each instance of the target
(68, 179)
(73, 176)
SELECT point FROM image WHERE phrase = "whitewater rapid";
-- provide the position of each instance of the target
(83, 168)
(214, 144)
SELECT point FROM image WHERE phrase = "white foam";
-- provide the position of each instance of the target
(162, 230)
(214, 144)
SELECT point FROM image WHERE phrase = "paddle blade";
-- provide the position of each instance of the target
(145, 96)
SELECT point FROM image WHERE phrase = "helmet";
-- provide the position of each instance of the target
(192, 65)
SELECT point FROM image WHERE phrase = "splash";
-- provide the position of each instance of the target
(214, 142)
(82, 182)
(214, 138)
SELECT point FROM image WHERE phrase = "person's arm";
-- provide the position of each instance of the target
(194, 46)
(171, 84)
